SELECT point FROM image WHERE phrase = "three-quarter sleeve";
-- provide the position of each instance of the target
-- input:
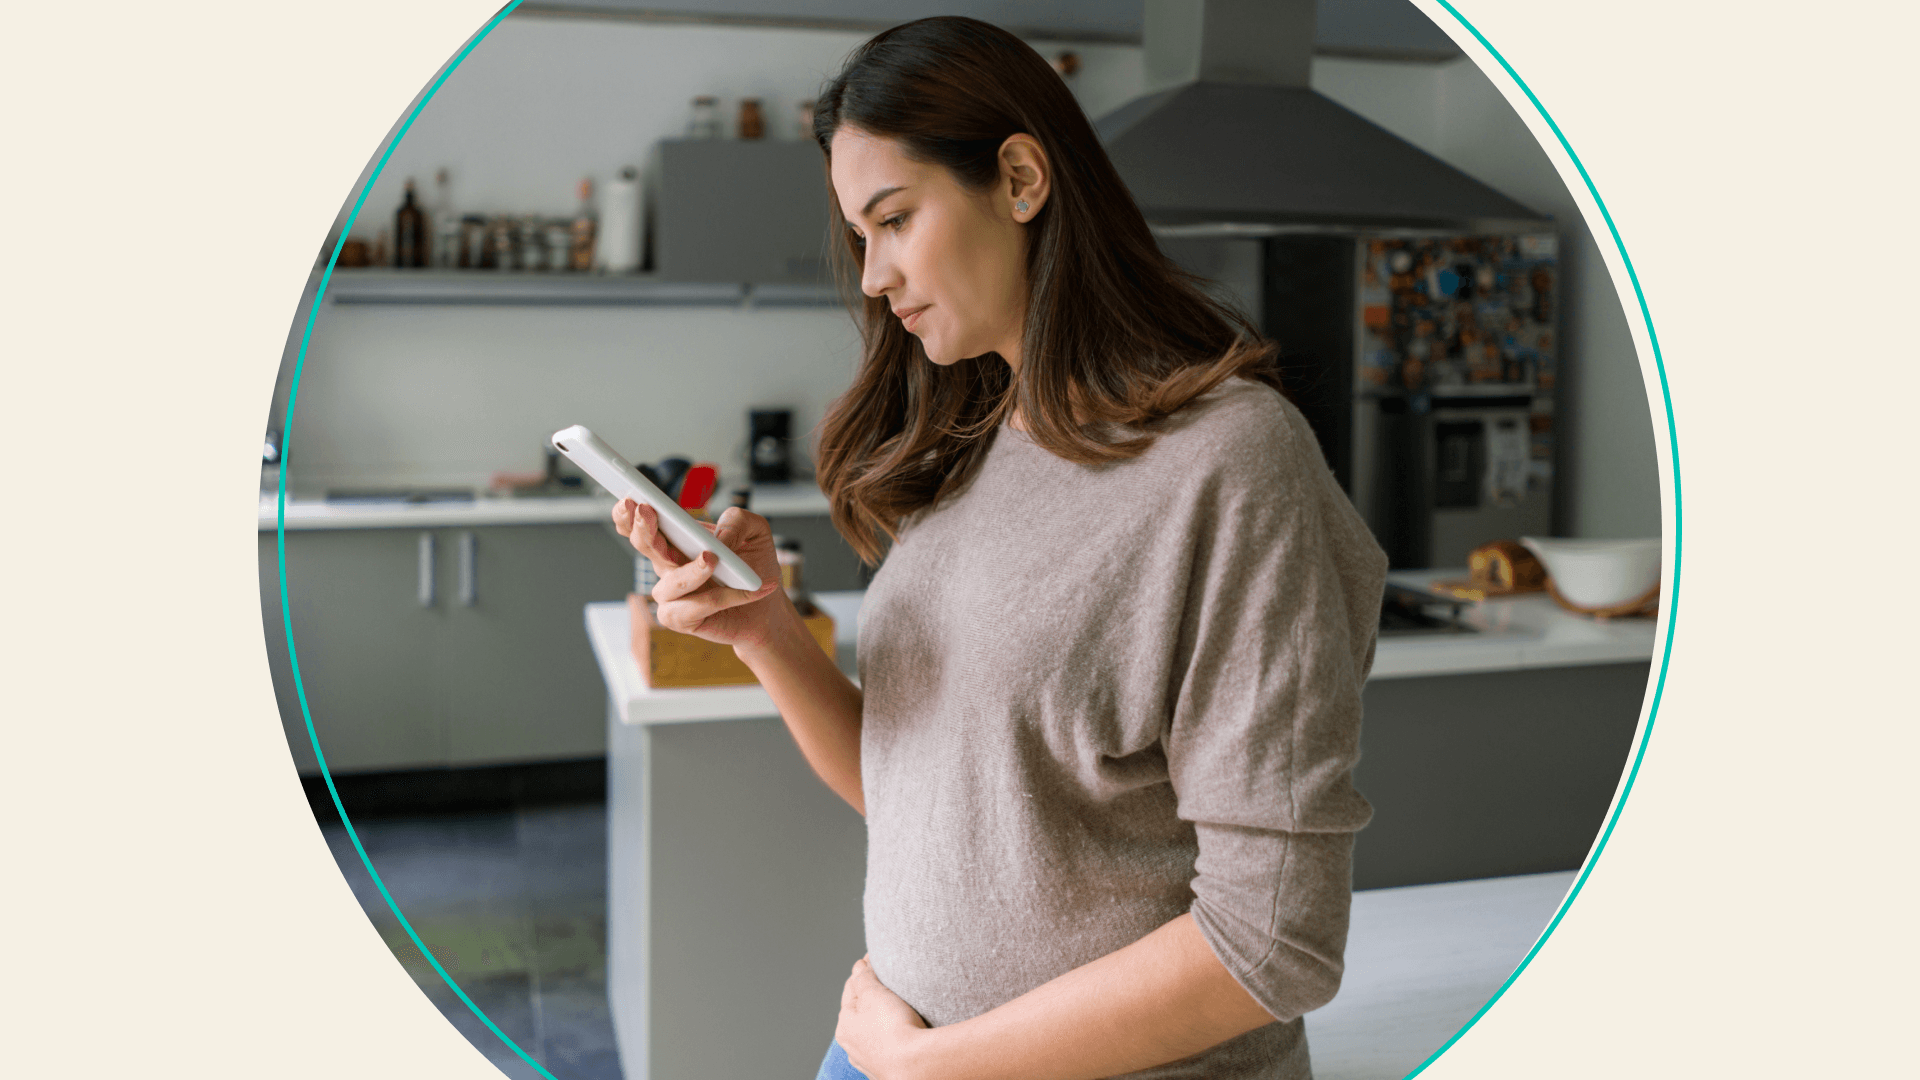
(1277, 633)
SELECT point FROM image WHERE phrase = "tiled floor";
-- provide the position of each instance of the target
(514, 905)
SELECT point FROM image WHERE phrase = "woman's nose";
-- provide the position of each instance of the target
(877, 273)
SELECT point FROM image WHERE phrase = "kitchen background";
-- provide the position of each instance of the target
(482, 744)
(416, 395)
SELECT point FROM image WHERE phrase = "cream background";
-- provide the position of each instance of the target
(174, 911)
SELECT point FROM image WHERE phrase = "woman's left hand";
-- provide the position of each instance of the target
(876, 1028)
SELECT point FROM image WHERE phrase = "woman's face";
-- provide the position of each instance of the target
(951, 263)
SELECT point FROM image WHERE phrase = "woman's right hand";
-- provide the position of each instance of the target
(687, 599)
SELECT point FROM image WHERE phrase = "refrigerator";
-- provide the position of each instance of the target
(1426, 365)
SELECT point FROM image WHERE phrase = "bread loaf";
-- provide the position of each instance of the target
(1505, 566)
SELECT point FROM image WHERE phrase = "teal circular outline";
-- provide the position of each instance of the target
(1673, 589)
(306, 713)
(286, 614)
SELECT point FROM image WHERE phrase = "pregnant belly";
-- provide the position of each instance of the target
(954, 961)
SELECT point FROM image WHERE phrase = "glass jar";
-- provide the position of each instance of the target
(787, 550)
(473, 242)
(500, 243)
(532, 253)
(753, 124)
(559, 236)
(704, 121)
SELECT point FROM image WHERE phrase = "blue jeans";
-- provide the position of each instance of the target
(837, 1067)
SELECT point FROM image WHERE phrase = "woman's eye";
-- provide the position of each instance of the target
(894, 223)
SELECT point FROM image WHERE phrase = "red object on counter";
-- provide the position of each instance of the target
(698, 486)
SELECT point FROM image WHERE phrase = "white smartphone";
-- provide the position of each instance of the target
(620, 478)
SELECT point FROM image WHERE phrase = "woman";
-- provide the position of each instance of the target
(1110, 670)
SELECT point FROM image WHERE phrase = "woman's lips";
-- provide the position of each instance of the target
(911, 317)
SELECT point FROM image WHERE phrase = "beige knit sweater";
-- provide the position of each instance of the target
(1097, 697)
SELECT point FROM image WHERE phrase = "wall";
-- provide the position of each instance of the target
(447, 395)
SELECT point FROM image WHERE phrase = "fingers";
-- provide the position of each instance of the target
(736, 524)
(856, 979)
(687, 596)
(728, 526)
(644, 533)
(685, 578)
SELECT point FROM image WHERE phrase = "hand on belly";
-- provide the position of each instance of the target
(876, 1028)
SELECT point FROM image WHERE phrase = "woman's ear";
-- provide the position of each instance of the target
(1026, 178)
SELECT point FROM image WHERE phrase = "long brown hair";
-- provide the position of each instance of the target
(1115, 332)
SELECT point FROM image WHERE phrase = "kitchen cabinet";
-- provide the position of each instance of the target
(738, 210)
(517, 686)
(366, 649)
(832, 565)
(1491, 773)
(443, 647)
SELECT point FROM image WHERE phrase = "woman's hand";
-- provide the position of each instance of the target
(687, 599)
(876, 1029)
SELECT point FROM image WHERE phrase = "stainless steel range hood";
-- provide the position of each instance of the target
(1230, 139)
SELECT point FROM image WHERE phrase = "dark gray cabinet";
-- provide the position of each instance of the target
(1493, 773)
(738, 211)
(442, 647)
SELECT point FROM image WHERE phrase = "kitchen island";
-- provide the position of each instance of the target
(735, 876)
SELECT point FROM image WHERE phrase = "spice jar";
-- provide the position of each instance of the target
(787, 550)
(473, 241)
(500, 243)
(752, 124)
(559, 235)
(532, 253)
(704, 121)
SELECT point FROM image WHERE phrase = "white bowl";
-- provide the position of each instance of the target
(1599, 574)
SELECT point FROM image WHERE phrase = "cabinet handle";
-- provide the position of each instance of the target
(469, 557)
(426, 569)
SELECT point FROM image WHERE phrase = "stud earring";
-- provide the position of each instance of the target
(1020, 207)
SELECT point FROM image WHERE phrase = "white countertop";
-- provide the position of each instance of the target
(1528, 631)
(1515, 634)
(306, 512)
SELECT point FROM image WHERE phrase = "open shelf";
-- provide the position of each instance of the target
(560, 288)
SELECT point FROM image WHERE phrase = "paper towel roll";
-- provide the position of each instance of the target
(619, 247)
